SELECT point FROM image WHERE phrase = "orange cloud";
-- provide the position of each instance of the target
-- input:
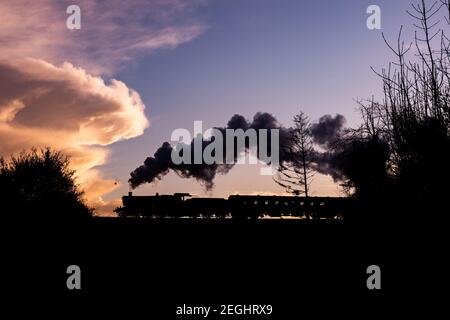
(68, 109)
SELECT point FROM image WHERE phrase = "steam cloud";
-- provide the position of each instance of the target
(154, 168)
(327, 130)
(326, 133)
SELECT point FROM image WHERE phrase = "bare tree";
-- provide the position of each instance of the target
(296, 174)
(414, 117)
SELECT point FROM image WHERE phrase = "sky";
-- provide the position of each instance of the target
(112, 92)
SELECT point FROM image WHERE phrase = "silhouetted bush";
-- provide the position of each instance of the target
(39, 184)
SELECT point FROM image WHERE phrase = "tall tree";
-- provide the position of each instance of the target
(296, 174)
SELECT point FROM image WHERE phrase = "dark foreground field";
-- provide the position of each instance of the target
(156, 265)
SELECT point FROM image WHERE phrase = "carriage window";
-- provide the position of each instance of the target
(277, 202)
(256, 202)
(266, 202)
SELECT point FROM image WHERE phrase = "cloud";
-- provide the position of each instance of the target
(51, 88)
(112, 32)
(68, 109)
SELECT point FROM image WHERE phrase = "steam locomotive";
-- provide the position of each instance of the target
(181, 205)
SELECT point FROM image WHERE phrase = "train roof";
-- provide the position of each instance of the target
(282, 197)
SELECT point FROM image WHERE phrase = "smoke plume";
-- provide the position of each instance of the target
(327, 133)
(324, 133)
(328, 130)
(154, 168)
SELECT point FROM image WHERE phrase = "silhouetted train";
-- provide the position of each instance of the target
(236, 206)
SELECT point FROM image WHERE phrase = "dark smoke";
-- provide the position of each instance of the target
(327, 133)
(329, 163)
(154, 168)
(328, 130)
(324, 133)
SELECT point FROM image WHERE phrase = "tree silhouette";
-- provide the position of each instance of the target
(363, 163)
(295, 175)
(413, 120)
(40, 184)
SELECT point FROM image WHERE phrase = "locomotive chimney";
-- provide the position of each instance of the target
(130, 194)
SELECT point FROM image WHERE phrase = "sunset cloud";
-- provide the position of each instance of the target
(52, 87)
(66, 108)
(112, 32)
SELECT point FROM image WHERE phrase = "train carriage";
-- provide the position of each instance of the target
(236, 206)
